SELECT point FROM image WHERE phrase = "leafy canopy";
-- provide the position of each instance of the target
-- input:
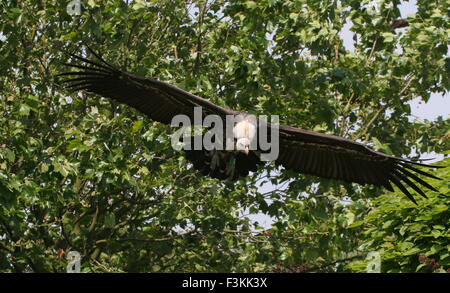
(78, 172)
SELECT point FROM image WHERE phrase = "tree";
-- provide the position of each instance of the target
(409, 238)
(81, 173)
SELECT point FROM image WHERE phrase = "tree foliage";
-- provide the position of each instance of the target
(410, 238)
(82, 173)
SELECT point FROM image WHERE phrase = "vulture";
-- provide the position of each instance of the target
(302, 151)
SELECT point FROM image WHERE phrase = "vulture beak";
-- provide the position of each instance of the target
(246, 150)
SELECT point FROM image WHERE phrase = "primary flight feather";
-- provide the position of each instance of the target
(302, 151)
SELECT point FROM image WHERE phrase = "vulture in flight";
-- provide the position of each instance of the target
(302, 151)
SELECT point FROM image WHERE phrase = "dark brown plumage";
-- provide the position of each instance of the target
(302, 151)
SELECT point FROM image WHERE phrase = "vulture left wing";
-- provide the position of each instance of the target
(335, 157)
(158, 100)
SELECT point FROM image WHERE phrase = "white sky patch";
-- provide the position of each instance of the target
(407, 8)
(347, 36)
(437, 105)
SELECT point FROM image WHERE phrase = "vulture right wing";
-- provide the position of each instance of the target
(334, 157)
(158, 100)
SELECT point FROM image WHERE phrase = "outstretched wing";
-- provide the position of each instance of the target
(158, 100)
(335, 157)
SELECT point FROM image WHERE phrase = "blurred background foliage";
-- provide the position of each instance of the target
(82, 173)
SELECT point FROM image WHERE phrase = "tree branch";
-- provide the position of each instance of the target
(399, 23)
(321, 267)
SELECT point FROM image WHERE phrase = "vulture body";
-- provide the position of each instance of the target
(302, 151)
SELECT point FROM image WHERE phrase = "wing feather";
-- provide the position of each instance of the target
(156, 99)
(338, 158)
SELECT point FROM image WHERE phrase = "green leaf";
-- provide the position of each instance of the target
(356, 224)
(9, 155)
(110, 220)
(251, 4)
(137, 126)
(388, 37)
